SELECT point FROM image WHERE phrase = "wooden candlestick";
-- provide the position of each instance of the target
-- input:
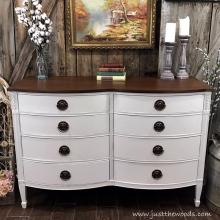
(167, 74)
(182, 74)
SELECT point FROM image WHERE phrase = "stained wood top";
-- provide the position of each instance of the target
(73, 84)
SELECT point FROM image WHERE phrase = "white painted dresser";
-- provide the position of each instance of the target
(77, 133)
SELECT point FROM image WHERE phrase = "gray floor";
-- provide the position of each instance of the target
(107, 203)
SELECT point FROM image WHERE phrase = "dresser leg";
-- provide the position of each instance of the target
(198, 191)
(23, 193)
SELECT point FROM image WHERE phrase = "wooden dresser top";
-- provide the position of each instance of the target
(73, 84)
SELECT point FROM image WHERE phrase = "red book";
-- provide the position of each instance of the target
(113, 69)
(112, 65)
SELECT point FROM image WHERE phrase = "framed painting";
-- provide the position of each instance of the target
(108, 24)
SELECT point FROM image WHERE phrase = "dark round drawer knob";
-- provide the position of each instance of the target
(65, 175)
(62, 105)
(159, 105)
(63, 126)
(158, 150)
(64, 150)
(157, 174)
(159, 126)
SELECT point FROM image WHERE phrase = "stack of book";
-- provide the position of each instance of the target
(111, 71)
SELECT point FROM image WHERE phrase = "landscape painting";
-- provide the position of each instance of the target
(112, 23)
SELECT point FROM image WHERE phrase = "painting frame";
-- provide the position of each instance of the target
(112, 44)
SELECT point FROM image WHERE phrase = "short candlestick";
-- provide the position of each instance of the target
(167, 74)
(182, 74)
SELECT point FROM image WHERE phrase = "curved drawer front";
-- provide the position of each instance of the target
(150, 149)
(81, 173)
(47, 104)
(78, 125)
(141, 173)
(144, 126)
(68, 149)
(146, 104)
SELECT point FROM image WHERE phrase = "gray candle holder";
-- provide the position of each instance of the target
(182, 74)
(167, 74)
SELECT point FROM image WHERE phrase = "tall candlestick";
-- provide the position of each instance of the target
(182, 74)
(184, 26)
(170, 32)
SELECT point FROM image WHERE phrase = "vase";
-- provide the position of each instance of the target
(41, 68)
(212, 196)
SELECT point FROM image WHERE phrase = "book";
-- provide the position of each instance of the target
(111, 78)
(111, 69)
(110, 73)
(111, 65)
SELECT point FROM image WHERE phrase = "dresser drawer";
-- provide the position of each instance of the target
(141, 173)
(77, 125)
(50, 104)
(66, 149)
(144, 126)
(148, 104)
(81, 172)
(160, 149)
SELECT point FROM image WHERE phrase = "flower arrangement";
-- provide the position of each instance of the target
(6, 182)
(37, 22)
(40, 29)
(211, 77)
